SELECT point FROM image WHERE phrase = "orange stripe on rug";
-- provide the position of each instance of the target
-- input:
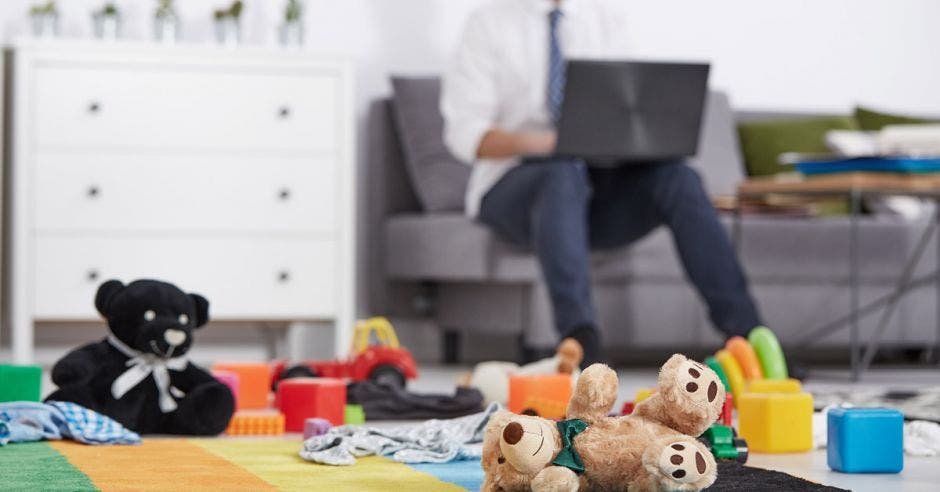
(279, 462)
(158, 464)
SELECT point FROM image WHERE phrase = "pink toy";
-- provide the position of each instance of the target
(229, 379)
(316, 427)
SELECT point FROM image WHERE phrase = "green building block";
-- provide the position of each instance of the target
(354, 415)
(20, 383)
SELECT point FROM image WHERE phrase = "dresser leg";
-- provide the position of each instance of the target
(451, 346)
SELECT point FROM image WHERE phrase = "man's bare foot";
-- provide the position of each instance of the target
(570, 353)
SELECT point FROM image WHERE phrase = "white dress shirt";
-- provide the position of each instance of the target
(499, 75)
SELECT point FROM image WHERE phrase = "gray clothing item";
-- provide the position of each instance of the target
(434, 441)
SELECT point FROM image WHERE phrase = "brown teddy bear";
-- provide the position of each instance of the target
(652, 449)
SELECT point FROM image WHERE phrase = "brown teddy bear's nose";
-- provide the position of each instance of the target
(512, 433)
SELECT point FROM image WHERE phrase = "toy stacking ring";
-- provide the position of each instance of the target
(769, 352)
(714, 365)
(747, 358)
(733, 371)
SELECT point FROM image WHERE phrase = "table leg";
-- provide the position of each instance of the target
(900, 289)
(855, 206)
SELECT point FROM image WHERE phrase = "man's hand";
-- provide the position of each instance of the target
(499, 144)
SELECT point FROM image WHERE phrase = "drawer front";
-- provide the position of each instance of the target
(166, 108)
(192, 194)
(244, 279)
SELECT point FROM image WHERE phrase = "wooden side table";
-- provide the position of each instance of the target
(856, 187)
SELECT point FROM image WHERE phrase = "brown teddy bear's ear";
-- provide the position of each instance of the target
(202, 310)
(106, 293)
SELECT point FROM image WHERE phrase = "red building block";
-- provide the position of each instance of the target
(302, 398)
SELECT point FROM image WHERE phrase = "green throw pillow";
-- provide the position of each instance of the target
(762, 142)
(873, 121)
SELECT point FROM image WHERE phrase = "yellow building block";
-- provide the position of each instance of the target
(774, 386)
(776, 422)
(642, 394)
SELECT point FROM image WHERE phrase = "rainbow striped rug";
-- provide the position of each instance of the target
(217, 464)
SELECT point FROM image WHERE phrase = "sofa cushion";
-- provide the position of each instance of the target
(439, 179)
(762, 142)
(872, 121)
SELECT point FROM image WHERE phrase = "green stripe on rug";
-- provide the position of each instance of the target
(278, 463)
(36, 466)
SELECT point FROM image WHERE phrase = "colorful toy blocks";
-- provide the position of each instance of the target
(354, 415)
(642, 394)
(555, 388)
(769, 352)
(256, 423)
(254, 383)
(776, 422)
(774, 386)
(316, 427)
(303, 398)
(230, 380)
(20, 383)
(733, 372)
(865, 440)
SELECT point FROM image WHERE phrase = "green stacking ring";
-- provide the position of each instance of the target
(713, 364)
(769, 352)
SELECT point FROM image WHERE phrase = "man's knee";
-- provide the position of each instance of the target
(565, 179)
(678, 183)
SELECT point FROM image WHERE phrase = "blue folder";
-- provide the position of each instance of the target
(908, 165)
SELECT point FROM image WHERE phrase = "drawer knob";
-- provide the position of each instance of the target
(284, 194)
(93, 191)
(92, 275)
(284, 112)
(283, 276)
(94, 107)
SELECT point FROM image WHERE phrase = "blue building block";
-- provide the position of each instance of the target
(865, 440)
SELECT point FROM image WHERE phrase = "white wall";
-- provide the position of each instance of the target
(783, 54)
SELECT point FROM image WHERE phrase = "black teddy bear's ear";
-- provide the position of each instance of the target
(202, 310)
(106, 293)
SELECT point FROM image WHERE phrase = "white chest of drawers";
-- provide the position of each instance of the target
(227, 172)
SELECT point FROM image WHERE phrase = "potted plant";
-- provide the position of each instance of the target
(107, 22)
(228, 24)
(165, 22)
(292, 31)
(45, 19)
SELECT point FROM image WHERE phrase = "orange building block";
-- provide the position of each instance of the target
(544, 389)
(254, 383)
(256, 423)
(746, 356)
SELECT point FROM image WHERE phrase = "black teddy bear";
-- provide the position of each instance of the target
(139, 374)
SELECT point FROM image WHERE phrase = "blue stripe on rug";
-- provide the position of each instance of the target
(465, 473)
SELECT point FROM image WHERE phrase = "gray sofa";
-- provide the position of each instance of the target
(446, 268)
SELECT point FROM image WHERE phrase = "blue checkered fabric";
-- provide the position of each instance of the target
(556, 67)
(30, 421)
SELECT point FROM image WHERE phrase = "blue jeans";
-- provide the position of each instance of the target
(562, 209)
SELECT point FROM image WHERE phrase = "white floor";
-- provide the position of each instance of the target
(920, 474)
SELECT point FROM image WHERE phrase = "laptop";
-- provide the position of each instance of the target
(622, 112)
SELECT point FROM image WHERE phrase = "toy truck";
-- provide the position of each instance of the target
(724, 443)
(384, 361)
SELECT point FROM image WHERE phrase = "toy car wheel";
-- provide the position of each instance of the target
(741, 446)
(386, 375)
(298, 371)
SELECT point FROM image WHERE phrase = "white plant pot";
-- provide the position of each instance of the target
(228, 31)
(107, 27)
(45, 25)
(292, 33)
(166, 28)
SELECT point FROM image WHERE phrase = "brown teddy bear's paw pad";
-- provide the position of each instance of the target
(684, 463)
(699, 385)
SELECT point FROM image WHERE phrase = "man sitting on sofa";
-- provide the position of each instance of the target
(501, 97)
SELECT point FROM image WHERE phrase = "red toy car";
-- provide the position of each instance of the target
(384, 362)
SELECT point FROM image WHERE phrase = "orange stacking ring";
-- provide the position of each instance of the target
(733, 371)
(746, 356)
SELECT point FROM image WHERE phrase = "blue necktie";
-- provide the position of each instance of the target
(556, 67)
